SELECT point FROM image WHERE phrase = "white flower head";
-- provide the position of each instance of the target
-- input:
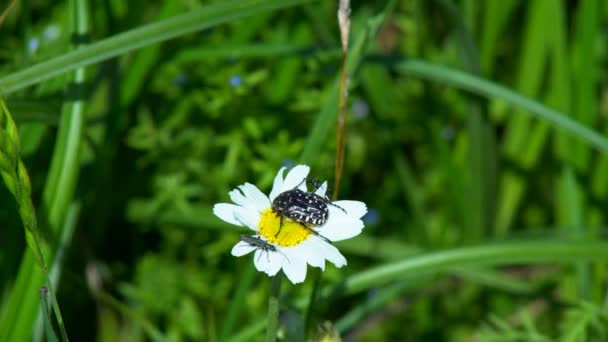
(283, 243)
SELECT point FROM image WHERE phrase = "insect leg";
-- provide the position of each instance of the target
(280, 225)
(337, 206)
(314, 232)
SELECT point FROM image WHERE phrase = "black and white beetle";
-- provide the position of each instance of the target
(255, 241)
(306, 208)
(303, 207)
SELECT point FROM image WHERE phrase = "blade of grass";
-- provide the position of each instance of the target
(6, 11)
(57, 195)
(262, 50)
(383, 297)
(143, 60)
(195, 20)
(570, 213)
(476, 85)
(46, 316)
(495, 20)
(250, 332)
(545, 251)
(543, 63)
(16, 178)
(481, 180)
(238, 301)
(148, 327)
(585, 68)
(498, 254)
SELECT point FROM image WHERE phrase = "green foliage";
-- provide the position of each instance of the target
(476, 136)
(581, 322)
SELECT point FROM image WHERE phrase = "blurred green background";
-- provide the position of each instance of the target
(476, 137)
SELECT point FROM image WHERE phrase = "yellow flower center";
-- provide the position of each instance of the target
(290, 233)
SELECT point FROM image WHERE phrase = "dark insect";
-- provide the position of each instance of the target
(303, 207)
(255, 241)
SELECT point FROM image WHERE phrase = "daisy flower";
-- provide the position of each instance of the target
(291, 246)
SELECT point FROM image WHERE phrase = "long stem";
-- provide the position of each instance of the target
(272, 322)
(316, 284)
(50, 334)
(344, 23)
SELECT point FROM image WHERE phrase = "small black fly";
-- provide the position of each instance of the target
(255, 241)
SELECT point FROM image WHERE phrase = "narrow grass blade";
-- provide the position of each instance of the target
(238, 301)
(499, 254)
(49, 332)
(490, 89)
(196, 20)
(151, 331)
(57, 196)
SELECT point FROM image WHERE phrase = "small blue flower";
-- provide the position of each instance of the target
(181, 79)
(236, 81)
(51, 32)
(360, 109)
(32, 45)
(372, 217)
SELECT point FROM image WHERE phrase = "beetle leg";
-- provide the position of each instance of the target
(337, 206)
(280, 225)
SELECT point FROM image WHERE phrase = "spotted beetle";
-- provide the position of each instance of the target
(306, 208)
(303, 207)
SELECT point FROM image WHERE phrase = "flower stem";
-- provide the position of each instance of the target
(316, 284)
(272, 322)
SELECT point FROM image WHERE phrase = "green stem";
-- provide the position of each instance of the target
(272, 322)
(50, 334)
(316, 284)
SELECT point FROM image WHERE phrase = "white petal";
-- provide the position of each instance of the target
(261, 260)
(295, 177)
(247, 217)
(332, 254)
(313, 252)
(277, 186)
(295, 269)
(255, 196)
(276, 262)
(242, 248)
(337, 230)
(355, 209)
(341, 226)
(237, 197)
(226, 212)
(322, 190)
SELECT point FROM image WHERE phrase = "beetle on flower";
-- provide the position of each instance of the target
(296, 245)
